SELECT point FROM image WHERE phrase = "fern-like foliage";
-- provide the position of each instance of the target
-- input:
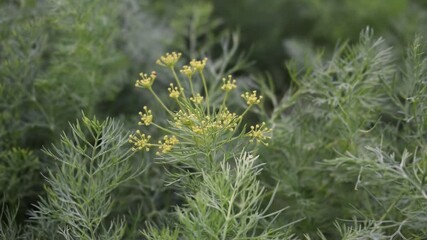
(349, 143)
(90, 164)
(228, 205)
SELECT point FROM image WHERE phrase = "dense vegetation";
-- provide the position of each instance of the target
(310, 122)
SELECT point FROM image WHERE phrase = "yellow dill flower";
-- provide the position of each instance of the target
(199, 65)
(197, 129)
(227, 119)
(258, 133)
(251, 99)
(174, 91)
(197, 99)
(229, 84)
(146, 81)
(146, 118)
(167, 144)
(188, 71)
(181, 118)
(169, 59)
(140, 141)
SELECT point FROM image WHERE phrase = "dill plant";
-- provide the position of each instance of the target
(348, 144)
(90, 164)
(223, 199)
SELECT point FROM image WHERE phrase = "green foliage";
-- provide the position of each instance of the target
(90, 164)
(19, 177)
(345, 155)
(8, 227)
(58, 58)
(227, 206)
(340, 140)
(222, 200)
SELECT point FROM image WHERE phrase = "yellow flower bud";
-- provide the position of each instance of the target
(258, 133)
(169, 59)
(140, 141)
(188, 71)
(229, 84)
(174, 92)
(199, 65)
(146, 81)
(251, 99)
(197, 99)
(146, 118)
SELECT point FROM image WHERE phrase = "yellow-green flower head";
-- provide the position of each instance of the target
(146, 81)
(146, 118)
(227, 119)
(199, 65)
(167, 144)
(197, 129)
(140, 141)
(188, 71)
(182, 118)
(174, 92)
(197, 99)
(229, 84)
(258, 133)
(169, 59)
(251, 99)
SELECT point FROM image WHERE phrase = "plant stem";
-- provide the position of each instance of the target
(206, 90)
(160, 101)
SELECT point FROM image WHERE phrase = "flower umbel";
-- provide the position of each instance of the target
(169, 59)
(184, 119)
(197, 120)
(167, 144)
(197, 99)
(188, 71)
(146, 81)
(140, 141)
(146, 118)
(227, 119)
(199, 65)
(173, 91)
(229, 84)
(258, 133)
(251, 99)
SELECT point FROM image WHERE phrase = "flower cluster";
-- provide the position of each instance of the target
(228, 119)
(259, 133)
(251, 98)
(146, 81)
(229, 84)
(169, 59)
(197, 99)
(198, 65)
(167, 144)
(188, 71)
(195, 117)
(174, 92)
(146, 118)
(140, 141)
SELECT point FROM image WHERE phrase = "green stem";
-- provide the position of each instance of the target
(191, 86)
(160, 101)
(206, 90)
(178, 82)
(176, 78)
(223, 101)
(228, 217)
(243, 114)
(247, 110)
